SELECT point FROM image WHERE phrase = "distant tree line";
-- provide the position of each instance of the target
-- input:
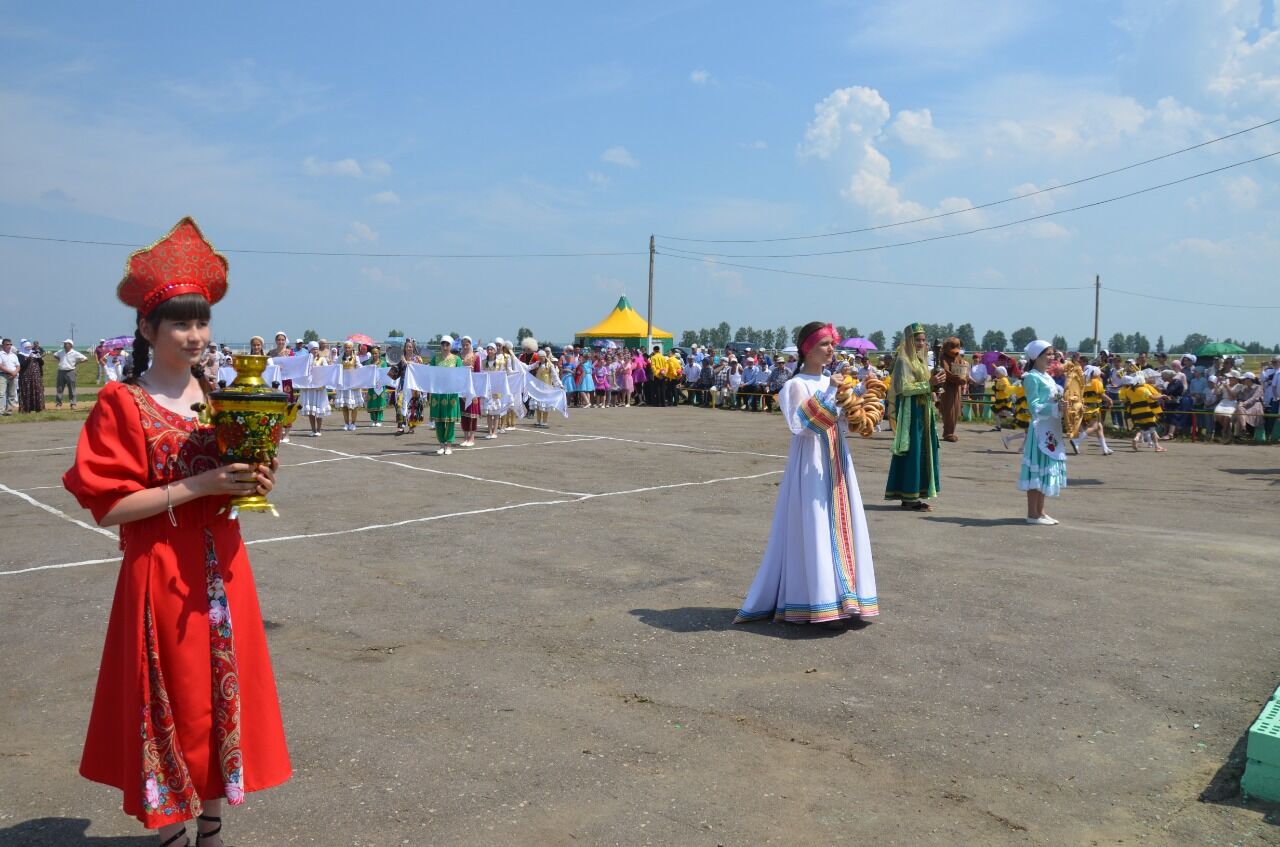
(992, 339)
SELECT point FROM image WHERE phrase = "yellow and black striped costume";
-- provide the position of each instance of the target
(1093, 394)
(1021, 415)
(1001, 392)
(1143, 404)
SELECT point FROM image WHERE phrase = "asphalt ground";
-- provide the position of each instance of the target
(531, 643)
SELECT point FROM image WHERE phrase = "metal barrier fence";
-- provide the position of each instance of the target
(975, 410)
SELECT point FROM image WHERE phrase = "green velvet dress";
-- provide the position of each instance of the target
(913, 470)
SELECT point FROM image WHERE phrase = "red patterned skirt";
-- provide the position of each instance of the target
(186, 707)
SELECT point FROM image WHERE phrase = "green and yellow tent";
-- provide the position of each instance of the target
(626, 326)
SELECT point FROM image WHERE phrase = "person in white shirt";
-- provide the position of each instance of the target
(68, 357)
(8, 377)
(692, 372)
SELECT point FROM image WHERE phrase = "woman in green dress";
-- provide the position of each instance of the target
(375, 399)
(445, 410)
(913, 470)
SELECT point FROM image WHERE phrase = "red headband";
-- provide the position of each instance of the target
(812, 341)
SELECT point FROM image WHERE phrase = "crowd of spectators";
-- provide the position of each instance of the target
(1211, 399)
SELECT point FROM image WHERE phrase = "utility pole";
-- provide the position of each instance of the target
(649, 312)
(1097, 300)
(72, 336)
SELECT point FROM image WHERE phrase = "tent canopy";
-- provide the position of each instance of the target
(624, 323)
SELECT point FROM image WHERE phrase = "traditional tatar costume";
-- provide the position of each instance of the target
(817, 565)
(185, 709)
(376, 398)
(445, 410)
(913, 470)
(471, 411)
(314, 400)
(1044, 458)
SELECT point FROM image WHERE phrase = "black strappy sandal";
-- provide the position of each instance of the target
(200, 836)
(186, 842)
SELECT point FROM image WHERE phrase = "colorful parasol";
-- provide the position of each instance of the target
(858, 343)
(361, 338)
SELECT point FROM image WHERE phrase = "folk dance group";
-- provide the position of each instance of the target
(185, 718)
(318, 386)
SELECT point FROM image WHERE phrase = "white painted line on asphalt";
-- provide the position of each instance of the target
(321, 461)
(39, 488)
(436, 471)
(38, 450)
(680, 446)
(531, 443)
(680, 485)
(34, 502)
(59, 567)
(476, 478)
(304, 536)
(408, 521)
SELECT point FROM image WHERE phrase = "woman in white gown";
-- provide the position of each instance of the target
(817, 566)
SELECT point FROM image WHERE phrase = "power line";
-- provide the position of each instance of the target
(986, 228)
(1189, 302)
(875, 281)
(344, 253)
(973, 208)
(963, 287)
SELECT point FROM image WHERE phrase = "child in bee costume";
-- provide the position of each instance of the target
(1095, 399)
(1002, 398)
(1143, 402)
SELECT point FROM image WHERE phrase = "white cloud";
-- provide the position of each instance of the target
(916, 129)
(849, 121)
(361, 232)
(619, 155)
(1243, 192)
(57, 195)
(700, 77)
(384, 198)
(598, 180)
(1047, 229)
(1037, 202)
(1250, 70)
(121, 172)
(1201, 247)
(1066, 121)
(844, 113)
(726, 280)
(758, 144)
(314, 166)
(381, 279)
(932, 33)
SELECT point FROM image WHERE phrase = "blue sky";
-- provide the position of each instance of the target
(584, 127)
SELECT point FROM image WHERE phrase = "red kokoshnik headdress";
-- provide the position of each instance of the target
(183, 262)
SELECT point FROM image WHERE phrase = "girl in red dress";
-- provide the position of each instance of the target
(185, 714)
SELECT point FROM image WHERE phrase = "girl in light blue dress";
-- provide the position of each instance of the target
(567, 364)
(1044, 459)
(587, 383)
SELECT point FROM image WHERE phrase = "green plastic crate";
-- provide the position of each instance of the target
(1275, 695)
(1261, 782)
(1264, 736)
